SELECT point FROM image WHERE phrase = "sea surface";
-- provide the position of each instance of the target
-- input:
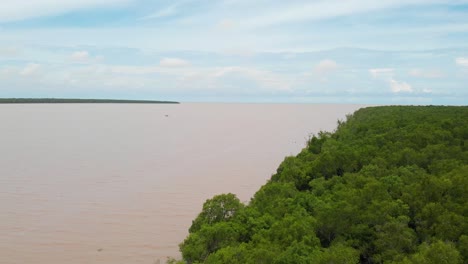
(121, 183)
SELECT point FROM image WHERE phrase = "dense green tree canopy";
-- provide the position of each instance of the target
(390, 185)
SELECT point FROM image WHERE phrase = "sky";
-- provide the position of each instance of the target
(295, 51)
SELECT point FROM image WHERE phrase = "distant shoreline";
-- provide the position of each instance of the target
(78, 101)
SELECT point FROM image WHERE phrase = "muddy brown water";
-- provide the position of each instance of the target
(91, 183)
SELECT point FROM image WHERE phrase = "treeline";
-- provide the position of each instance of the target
(390, 185)
(77, 101)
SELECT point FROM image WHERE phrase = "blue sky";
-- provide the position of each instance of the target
(333, 51)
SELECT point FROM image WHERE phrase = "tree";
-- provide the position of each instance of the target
(437, 252)
(220, 208)
(388, 186)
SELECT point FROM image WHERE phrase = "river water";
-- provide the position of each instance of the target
(120, 184)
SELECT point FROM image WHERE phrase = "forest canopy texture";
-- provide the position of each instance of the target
(390, 185)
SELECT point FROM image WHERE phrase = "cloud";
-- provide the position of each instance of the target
(430, 74)
(355, 72)
(320, 10)
(8, 52)
(21, 10)
(387, 75)
(165, 12)
(289, 55)
(241, 52)
(398, 87)
(80, 56)
(427, 90)
(381, 72)
(266, 79)
(461, 61)
(83, 56)
(129, 70)
(30, 69)
(150, 79)
(225, 24)
(7, 71)
(326, 67)
(173, 62)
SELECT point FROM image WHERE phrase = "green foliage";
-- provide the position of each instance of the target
(174, 261)
(77, 101)
(388, 186)
(209, 239)
(337, 254)
(221, 208)
(437, 252)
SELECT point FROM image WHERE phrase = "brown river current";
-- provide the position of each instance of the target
(120, 184)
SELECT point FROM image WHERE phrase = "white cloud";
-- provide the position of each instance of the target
(430, 74)
(8, 71)
(200, 36)
(153, 78)
(386, 74)
(289, 55)
(225, 24)
(427, 90)
(198, 33)
(326, 67)
(381, 72)
(319, 10)
(266, 79)
(461, 61)
(168, 11)
(173, 62)
(80, 56)
(8, 51)
(130, 70)
(84, 57)
(398, 87)
(30, 69)
(20, 10)
(241, 52)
